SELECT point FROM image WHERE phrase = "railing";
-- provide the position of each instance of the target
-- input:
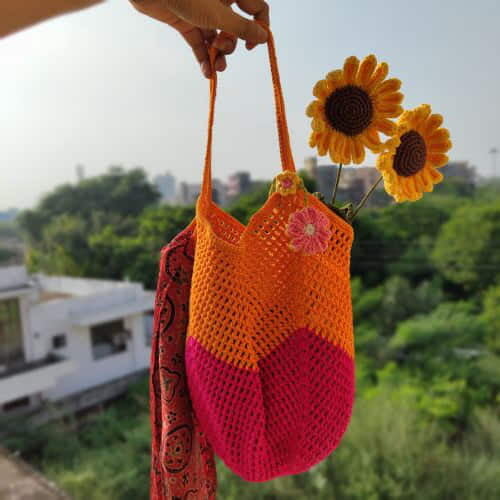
(31, 365)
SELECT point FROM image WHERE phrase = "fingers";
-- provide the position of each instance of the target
(227, 20)
(225, 43)
(200, 40)
(215, 14)
(194, 37)
(256, 8)
(259, 10)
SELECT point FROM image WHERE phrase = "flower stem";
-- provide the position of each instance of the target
(365, 198)
(339, 171)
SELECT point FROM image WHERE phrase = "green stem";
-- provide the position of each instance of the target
(365, 197)
(339, 171)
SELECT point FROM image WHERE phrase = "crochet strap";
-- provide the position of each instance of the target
(287, 162)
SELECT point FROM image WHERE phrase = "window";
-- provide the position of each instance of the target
(16, 404)
(148, 326)
(108, 338)
(59, 341)
(11, 335)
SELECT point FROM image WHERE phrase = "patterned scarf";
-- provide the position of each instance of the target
(182, 462)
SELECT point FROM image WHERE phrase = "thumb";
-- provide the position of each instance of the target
(231, 22)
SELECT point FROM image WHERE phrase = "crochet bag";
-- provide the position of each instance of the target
(270, 355)
(182, 461)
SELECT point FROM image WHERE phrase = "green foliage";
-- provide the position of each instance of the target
(6, 254)
(8, 230)
(466, 249)
(245, 206)
(491, 317)
(426, 300)
(60, 229)
(449, 326)
(391, 450)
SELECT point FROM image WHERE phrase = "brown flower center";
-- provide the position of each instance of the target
(349, 110)
(410, 155)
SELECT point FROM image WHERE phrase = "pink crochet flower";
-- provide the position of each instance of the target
(309, 231)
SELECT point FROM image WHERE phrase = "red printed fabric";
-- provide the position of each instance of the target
(182, 462)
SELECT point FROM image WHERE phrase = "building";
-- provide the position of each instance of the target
(238, 183)
(461, 171)
(219, 192)
(354, 181)
(62, 337)
(188, 193)
(166, 185)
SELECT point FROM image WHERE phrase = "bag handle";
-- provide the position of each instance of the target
(287, 162)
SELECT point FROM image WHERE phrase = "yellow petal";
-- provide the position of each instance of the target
(371, 139)
(348, 151)
(334, 150)
(379, 75)
(418, 182)
(313, 139)
(439, 147)
(440, 134)
(410, 187)
(320, 90)
(432, 124)
(437, 159)
(435, 175)
(336, 78)
(388, 86)
(391, 112)
(422, 112)
(313, 109)
(351, 65)
(385, 126)
(366, 69)
(324, 143)
(318, 125)
(389, 109)
(358, 151)
(395, 98)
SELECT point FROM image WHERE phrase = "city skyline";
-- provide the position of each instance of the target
(81, 90)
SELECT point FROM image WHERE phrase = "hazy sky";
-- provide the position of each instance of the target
(109, 86)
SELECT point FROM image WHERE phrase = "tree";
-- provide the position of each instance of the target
(491, 317)
(466, 250)
(115, 193)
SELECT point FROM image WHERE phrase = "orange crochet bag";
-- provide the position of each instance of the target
(269, 350)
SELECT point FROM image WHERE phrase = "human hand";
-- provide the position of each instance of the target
(198, 21)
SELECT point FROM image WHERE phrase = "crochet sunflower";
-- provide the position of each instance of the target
(417, 149)
(353, 105)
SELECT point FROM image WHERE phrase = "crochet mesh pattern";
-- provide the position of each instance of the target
(270, 354)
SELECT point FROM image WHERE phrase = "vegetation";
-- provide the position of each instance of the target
(426, 297)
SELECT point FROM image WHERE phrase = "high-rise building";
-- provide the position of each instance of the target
(238, 183)
(187, 193)
(166, 185)
(354, 181)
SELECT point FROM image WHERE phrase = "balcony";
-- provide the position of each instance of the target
(32, 378)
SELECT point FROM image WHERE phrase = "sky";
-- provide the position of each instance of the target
(108, 86)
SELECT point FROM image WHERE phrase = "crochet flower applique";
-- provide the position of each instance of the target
(309, 231)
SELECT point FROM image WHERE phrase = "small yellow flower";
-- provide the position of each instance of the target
(413, 154)
(287, 183)
(352, 106)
